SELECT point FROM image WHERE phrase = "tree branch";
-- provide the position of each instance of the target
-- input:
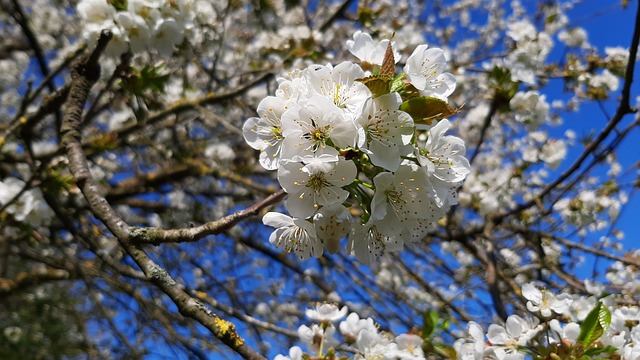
(158, 236)
(84, 75)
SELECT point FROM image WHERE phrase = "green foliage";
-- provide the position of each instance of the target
(57, 182)
(149, 78)
(594, 325)
(104, 142)
(595, 351)
(432, 325)
(366, 16)
(398, 84)
(503, 87)
(377, 84)
(47, 325)
(430, 321)
(425, 109)
(382, 78)
(120, 5)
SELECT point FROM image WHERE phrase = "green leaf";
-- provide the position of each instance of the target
(447, 351)
(597, 351)
(604, 317)
(382, 77)
(504, 89)
(398, 84)
(378, 84)
(388, 68)
(594, 325)
(120, 5)
(425, 109)
(430, 321)
(148, 78)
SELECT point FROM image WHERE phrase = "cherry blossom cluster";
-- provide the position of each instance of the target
(22, 204)
(559, 326)
(361, 336)
(556, 326)
(358, 151)
(141, 26)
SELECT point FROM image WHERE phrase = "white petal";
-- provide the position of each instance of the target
(531, 293)
(277, 220)
(497, 335)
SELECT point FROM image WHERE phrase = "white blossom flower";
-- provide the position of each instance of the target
(264, 133)
(567, 333)
(353, 326)
(530, 108)
(374, 346)
(22, 207)
(293, 86)
(425, 70)
(339, 85)
(310, 130)
(326, 313)
(316, 184)
(295, 353)
(367, 243)
(616, 54)
(576, 37)
(443, 158)
(95, 11)
(221, 153)
(136, 28)
(315, 336)
(581, 306)
(297, 235)
(473, 347)
(402, 197)
(545, 301)
(386, 130)
(553, 152)
(517, 331)
(13, 333)
(167, 34)
(369, 51)
(409, 347)
(631, 351)
(145, 25)
(605, 80)
(522, 31)
(530, 53)
(332, 222)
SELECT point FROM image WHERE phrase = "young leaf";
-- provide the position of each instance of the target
(148, 78)
(388, 68)
(380, 82)
(120, 5)
(446, 351)
(398, 84)
(425, 109)
(377, 84)
(597, 351)
(594, 325)
(430, 321)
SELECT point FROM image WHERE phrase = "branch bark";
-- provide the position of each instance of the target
(84, 75)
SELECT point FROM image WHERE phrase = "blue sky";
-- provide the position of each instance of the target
(609, 25)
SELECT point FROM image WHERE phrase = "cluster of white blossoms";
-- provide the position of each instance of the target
(141, 26)
(573, 326)
(22, 204)
(556, 326)
(583, 209)
(362, 335)
(358, 151)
